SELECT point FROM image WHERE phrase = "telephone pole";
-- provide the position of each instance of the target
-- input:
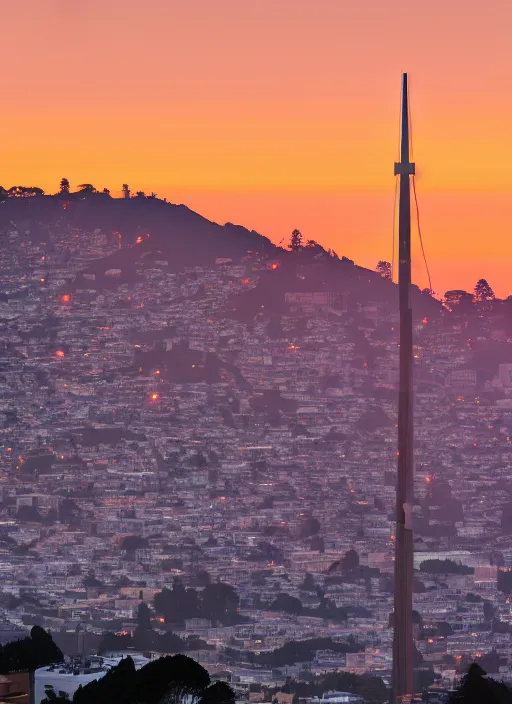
(403, 645)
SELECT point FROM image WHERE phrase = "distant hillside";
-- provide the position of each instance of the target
(175, 229)
(151, 229)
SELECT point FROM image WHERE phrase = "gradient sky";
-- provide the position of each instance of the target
(275, 114)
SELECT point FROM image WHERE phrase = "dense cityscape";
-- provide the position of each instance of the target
(198, 453)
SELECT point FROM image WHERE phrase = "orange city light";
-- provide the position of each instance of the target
(66, 298)
(138, 240)
(154, 397)
(60, 353)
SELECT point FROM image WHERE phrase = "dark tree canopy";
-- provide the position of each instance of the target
(384, 269)
(288, 604)
(483, 292)
(218, 693)
(30, 653)
(64, 185)
(476, 688)
(296, 240)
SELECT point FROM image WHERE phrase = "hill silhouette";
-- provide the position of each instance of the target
(149, 229)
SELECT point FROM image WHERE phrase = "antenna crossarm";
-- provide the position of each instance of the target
(405, 168)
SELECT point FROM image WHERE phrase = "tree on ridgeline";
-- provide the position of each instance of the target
(64, 186)
(483, 292)
(384, 269)
(296, 241)
(126, 190)
(87, 188)
(25, 192)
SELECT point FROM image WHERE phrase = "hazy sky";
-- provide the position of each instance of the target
(275, 114)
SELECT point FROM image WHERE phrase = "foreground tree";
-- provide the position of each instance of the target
(30, 653)
(170, 680)
(218, 693)
(476, 688)
(53, 697)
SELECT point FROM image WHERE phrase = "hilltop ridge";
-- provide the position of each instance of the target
(143, 229)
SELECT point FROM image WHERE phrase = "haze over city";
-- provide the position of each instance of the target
(255, 352)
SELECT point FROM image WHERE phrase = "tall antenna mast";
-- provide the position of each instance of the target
(402, 683)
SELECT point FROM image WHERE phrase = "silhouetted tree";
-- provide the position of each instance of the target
(64, 185)
(317, 543)
(476, 688)
(296, 240)
(117, 685)
(218, 693)
(384, 269)
(308, 585)
(309, 527)
(143, 616)
(170, 680)
(87, 188)
(286, 603)
(25, 191)
(483, 292)
(203, 578)
(350, 561)
(220, 603)
(29, 653)
(126, 190)
(53, 697)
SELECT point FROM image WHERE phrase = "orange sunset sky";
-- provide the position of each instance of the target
(275, 114)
